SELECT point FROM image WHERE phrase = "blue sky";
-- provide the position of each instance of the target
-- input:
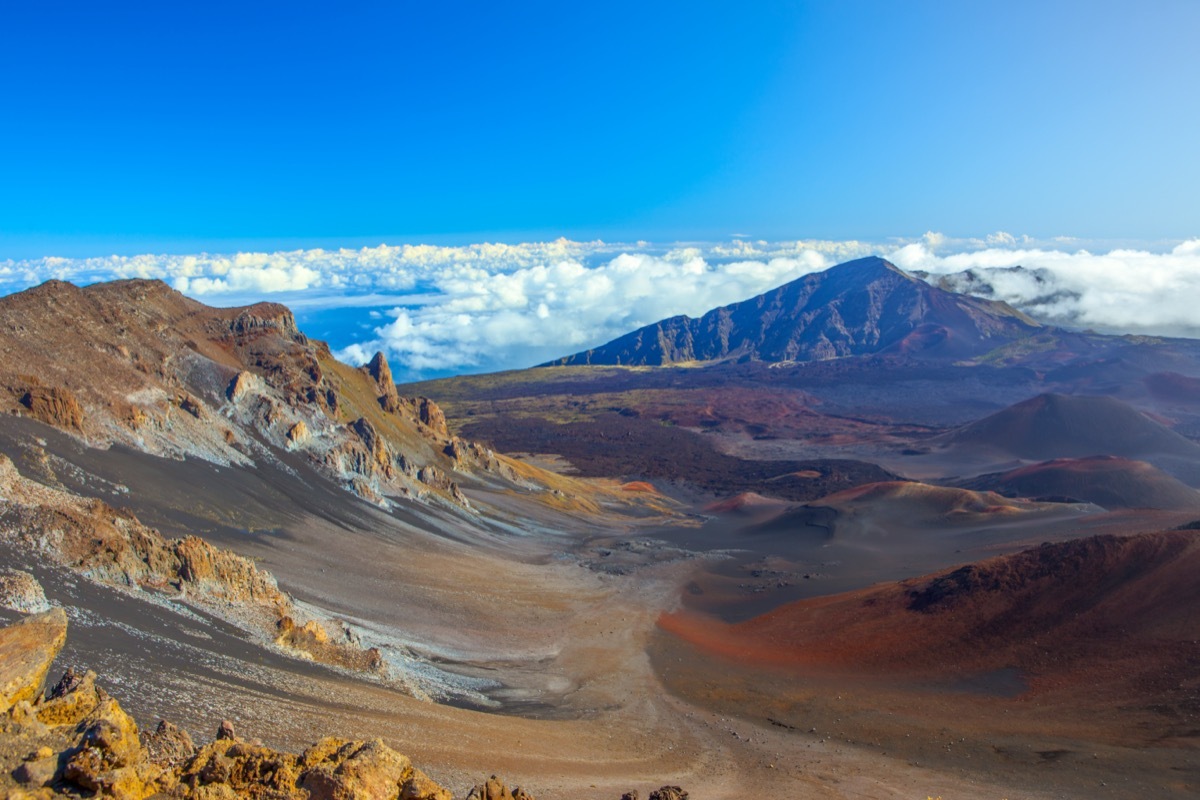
(182, 127)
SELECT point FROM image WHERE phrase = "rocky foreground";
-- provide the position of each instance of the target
(75, 740)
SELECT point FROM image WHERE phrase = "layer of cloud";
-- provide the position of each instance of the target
(1122, 291)
(437, 310)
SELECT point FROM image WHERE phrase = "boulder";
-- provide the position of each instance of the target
(243, 384)
(190, 404)
(669, 793)
(225, 731)
(494, 789)
(169, 745)
(298, 434)
(20, 591)
(71, 701)
(106, 758)
(27, 649)
(370, 771)
(38, 771)
(421, 787)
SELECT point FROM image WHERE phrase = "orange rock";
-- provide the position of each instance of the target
(55, 406)
(27, 649)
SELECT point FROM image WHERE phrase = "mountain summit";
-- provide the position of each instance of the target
(857, 308)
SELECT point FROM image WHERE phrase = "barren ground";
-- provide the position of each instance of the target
(538, 632)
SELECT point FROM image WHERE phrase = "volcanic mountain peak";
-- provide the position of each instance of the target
(867, 269)
(860, 307)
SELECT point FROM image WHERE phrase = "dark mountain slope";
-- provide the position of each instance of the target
(1062, 426)
(1107, 481)
(860, 307)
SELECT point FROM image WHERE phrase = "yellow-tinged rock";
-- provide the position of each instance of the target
(27, 649)
(373, 771)
(326, 749)
(72, 707)
(421, 787)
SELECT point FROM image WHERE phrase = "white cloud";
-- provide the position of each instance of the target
(1125, 290)
(493, 306)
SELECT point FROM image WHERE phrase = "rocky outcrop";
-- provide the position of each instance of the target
(434, 477)
(77, 739)
(169, 376)
(243, 384)
(494, 789)
(669, 793)
(221, 574)
(55, 406)
(664, 793)
(375, 444)
(20, 591)
(381, 373)
(264, 318)
(298, 434)
(169, 745)
(431, 416)
(27, 649)
(468, 456)
(111, 546)
(312, 638)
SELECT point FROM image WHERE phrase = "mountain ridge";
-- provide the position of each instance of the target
(859, 307)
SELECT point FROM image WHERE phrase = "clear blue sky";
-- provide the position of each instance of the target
(173, 126)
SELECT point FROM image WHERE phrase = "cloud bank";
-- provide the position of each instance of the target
(439, 310)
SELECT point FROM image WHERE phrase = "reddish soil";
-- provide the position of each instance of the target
(742, 503)
(1173, 387)
(1062, 669)
(1101, 619)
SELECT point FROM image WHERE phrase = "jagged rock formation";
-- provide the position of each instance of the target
(77, 739)
(53, 405)
(111, 546)
(138, 364)
(861, 307)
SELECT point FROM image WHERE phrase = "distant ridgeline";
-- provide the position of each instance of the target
(862, 307)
